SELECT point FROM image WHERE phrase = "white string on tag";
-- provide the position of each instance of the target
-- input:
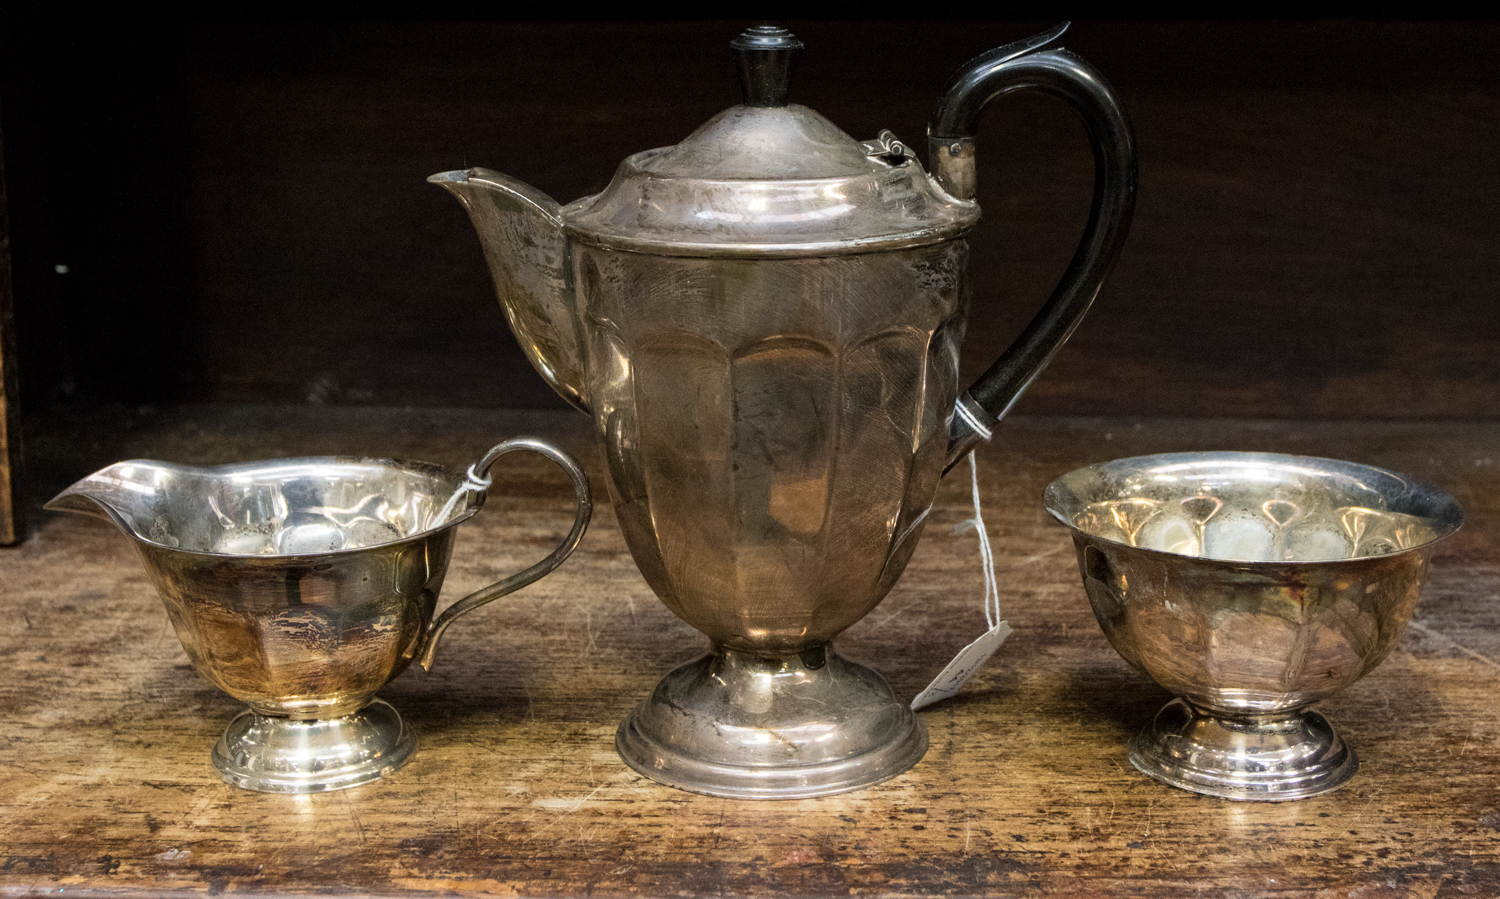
(969, 659)
(472, 484)
(986, 555)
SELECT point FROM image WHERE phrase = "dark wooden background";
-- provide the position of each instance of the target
(220, 212)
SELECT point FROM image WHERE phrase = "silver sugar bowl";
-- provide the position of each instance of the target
(1251, 585)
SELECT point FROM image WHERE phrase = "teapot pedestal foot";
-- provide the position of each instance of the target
(1268, 758)
(281, 755)
(760, 726)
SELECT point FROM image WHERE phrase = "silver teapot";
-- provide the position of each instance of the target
(764, 323)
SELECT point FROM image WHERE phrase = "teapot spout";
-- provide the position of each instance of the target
(521, 230)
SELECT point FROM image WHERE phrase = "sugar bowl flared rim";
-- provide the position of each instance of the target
(1240, 508)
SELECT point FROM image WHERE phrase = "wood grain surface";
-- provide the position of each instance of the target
(106, 788)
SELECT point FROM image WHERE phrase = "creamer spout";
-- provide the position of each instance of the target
(128, 495)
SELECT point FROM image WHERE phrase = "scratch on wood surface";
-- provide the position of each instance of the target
(900, 608)
(194, 809)
(588, 628)
(1366, 807)
(353, 815)
(1457, 645)
(1468, 738)
(569, 809)
(583, 837)
(1037, 557)
(1151, 842)
(458, 819)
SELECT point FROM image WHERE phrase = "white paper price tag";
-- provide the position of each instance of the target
(968, 661)
(973, 656)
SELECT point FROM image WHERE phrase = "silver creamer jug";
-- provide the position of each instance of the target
(764, 322)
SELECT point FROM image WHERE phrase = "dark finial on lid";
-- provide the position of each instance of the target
(765, 54)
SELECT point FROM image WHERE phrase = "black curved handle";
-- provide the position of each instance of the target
(1020, 66)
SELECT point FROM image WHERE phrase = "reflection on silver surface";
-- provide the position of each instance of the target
(301, 587)
(1251, 585)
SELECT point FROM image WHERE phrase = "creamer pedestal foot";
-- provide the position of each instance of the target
(283, 755)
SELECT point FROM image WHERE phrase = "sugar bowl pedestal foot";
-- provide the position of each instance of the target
(1291, 754)
(760, 726)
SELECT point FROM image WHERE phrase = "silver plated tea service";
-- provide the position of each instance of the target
(763, 322)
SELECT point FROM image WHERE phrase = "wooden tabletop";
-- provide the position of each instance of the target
(105, 731)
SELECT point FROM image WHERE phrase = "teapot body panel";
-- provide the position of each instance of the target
(774, 429)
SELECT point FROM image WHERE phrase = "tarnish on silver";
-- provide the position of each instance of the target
(768, 317)
(767, 182)
(954, 166)
(303, 586)
(1251, 585)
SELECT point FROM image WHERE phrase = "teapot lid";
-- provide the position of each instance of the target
(768, 178)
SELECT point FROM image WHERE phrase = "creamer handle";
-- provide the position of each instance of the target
(517, 581)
